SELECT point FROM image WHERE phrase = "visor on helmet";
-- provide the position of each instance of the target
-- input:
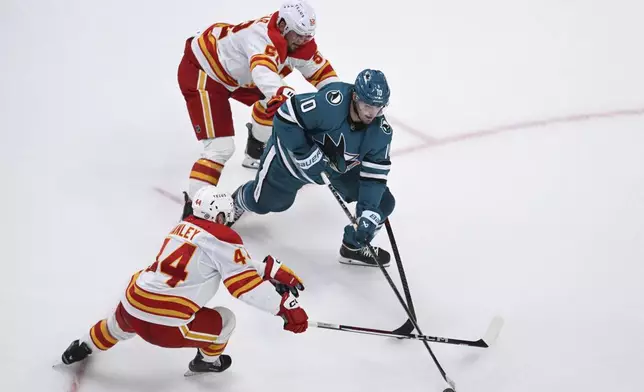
(370, 110)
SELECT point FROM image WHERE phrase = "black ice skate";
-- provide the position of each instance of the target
(76, 351)
(187, 206)
(239, 211)
(198, 365)
(362, 256)
(254, 150)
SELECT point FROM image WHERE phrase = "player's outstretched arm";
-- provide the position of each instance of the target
(317, 70)
(250, 282)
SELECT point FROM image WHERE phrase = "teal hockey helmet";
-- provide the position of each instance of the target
(372, 88)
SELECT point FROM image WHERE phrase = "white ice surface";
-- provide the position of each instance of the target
(543, 226)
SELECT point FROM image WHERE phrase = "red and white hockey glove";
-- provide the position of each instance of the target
(282, 94)
(295, 318)
(277, 272)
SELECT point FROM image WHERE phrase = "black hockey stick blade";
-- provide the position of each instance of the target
(405, 329)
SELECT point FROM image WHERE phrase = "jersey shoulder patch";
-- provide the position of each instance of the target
(336, 93)
(384, 125)
(334, 97)
(217, 230)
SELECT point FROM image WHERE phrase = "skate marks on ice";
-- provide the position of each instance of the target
(74, 373)
(110, 376)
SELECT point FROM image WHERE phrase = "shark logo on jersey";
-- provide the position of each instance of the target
(334, 97)
(384, 125)
(339, 159)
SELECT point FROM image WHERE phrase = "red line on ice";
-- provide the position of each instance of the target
(77, 377)
(428, 141)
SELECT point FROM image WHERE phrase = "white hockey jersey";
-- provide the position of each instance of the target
(194, 258)
(254, 54)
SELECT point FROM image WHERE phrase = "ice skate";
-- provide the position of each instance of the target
(254, 150)
(362, 256)
(239, 211)
(187, 206)
(199, 366)
(76, 351)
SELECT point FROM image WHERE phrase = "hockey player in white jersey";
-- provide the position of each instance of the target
(246, 62)
(164, 304)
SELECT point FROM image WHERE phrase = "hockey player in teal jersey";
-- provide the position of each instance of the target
(339, 131)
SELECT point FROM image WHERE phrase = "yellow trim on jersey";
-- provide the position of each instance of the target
(236, 278)
(248, 287)
(178, 300)
(197, 336)
(160, 300)
(264, 60)
(205, 104)
(261, 121)
(211, 164)
(157, 311)
(320, 71)
(204, 177)
(213, 350)
(221, 74)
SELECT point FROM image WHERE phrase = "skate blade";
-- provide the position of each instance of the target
(72, 367)
(344, 260)
(190, 373)
(59, 365)
(250, 163)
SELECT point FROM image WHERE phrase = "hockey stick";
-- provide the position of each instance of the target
(486, 341)
(391, 284)
(407, 327)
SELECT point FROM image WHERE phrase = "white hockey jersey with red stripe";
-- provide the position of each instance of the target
(194, 258)
(254, 54)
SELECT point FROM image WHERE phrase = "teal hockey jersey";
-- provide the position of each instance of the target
(323, 118)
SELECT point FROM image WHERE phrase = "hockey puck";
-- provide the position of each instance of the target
(448, 390)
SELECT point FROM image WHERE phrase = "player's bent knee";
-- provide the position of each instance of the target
(116, 330)
(278, 204)
(265, 208)
(387, 203)
(283, 207)
(219, 149)
(228, 322)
